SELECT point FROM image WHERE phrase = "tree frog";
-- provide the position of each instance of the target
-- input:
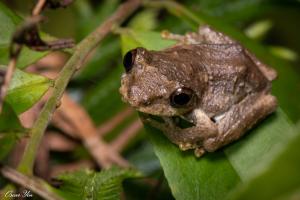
(206, 78)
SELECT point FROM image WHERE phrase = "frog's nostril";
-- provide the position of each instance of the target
(128, 60)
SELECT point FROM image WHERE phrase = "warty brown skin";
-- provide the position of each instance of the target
(229, 88)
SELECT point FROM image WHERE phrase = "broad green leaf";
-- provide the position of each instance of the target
(215, 174)
(209, 178)
(280, 181)
(86, 184)
(10, 130)
(26, 89)
(8, 24)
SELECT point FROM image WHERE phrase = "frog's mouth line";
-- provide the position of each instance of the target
(178, 121)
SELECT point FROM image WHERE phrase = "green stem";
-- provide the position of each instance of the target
(82, 50)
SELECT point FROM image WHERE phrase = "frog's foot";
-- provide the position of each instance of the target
(188, 38)
(171, 36)
(185, 146)
(199, 151)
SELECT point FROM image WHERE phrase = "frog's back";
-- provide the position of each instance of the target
(232, 75)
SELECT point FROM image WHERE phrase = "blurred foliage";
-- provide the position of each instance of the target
(91, 185)
(262, 165)
(10, 130)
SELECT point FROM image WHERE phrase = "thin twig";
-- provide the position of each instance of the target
(109, 125)
(73, 64)
(84, 128)
(128, 133)
(36, 185)
(38, 7)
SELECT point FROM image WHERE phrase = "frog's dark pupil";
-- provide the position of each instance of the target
(181, 99)
(128, 60)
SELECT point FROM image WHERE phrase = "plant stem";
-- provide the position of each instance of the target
(82, 50)
(36, 185)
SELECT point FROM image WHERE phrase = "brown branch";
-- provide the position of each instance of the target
(36, 185)
(109, 125)
(126, 135)
(59, 142)
(76, 116)
(38, 7)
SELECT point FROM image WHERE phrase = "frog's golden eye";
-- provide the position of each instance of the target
(129, 59)
(181, 97)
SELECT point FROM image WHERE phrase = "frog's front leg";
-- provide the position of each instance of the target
(240, 118)
(187, 138)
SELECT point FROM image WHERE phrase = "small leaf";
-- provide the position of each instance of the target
(136, 38)
(94, 185)
(284, 53)
(8, 24)
(10, 130)
(259, 29)
(25, 90)
(145, 20)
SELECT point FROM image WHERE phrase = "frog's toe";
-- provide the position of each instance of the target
(185, 146)
(199, 152)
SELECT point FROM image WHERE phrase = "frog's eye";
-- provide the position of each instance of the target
(128, 60)
(181, 97)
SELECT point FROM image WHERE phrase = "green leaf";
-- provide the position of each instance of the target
(132, 38)
(86, 184)
(216, 174)
(8, 24)
(209, 178)
(10, 130)
(145, 20)
(26, 89)
(259, 29)
(281, 180)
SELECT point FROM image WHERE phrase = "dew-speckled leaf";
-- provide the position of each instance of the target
(216, 174)
(85, 184)
(26, 89)
(8, 24)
